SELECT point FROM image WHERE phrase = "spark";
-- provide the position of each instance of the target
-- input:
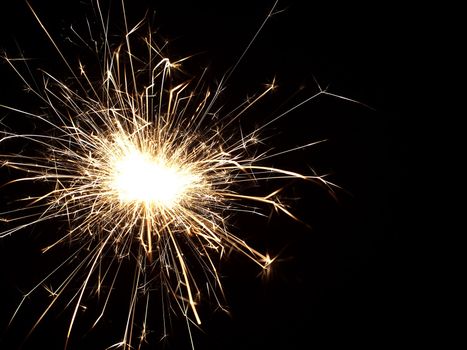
(139, 178)
(143, 167)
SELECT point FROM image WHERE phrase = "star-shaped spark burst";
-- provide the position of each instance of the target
(145, 168)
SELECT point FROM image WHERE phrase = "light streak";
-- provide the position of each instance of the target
(144, 167)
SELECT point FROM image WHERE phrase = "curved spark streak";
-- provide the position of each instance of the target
(138, 124)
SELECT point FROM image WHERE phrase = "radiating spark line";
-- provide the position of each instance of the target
(108, 135)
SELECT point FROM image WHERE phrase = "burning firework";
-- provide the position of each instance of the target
(146, 169)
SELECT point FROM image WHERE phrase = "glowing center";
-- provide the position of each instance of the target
(139, 177)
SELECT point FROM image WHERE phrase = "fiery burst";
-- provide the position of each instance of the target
(143, 166)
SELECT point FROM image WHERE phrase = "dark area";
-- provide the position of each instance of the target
(350, 279)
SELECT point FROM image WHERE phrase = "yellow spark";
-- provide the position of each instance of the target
(146, 171)
(141, 177)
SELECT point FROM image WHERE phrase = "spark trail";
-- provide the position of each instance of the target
(145, 169)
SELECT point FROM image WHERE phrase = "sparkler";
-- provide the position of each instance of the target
(144, 167)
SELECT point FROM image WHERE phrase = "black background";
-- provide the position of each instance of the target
(347, 281)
